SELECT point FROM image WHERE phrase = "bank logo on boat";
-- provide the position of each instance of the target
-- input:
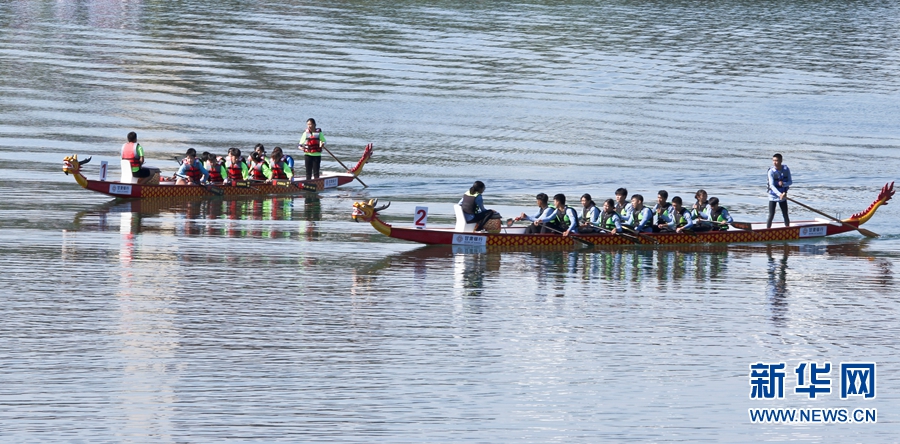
(119, 189)
(813, 231)
(331, 182)
(468, 239)
(813, 381)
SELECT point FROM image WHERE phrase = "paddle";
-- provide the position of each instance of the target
(345, 166)
(586, 242)
(639, 234)
(862, 231)
(739, 225)
(633, 239)
(209, 187)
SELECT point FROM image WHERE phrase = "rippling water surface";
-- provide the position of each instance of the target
(281, 319)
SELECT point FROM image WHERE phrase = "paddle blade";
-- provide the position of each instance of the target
(867, 233)
(742, 226)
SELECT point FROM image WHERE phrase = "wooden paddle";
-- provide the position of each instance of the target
(345, 166)
(862, 231)
(586, 242)
(633, 239)
(746, 226)
(638, 234)
(209, 187)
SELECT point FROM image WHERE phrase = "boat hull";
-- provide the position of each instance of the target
(137, 191)
(508, 239)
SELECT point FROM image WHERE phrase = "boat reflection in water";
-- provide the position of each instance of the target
(704, 271)
(217, 217)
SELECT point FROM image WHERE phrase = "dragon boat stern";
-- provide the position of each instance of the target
(887, 192)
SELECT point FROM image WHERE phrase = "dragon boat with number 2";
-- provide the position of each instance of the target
(497, 236)
(167, 189)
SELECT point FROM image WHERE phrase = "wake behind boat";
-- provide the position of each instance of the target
(129, 190)
(515, 237)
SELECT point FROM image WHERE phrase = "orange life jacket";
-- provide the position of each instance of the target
(236, 171)
(193, 171)
(215, 171)
(312, 142)
(129, 153)
(256, 171)
(278, 170)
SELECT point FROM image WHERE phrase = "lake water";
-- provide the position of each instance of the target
(283, 320)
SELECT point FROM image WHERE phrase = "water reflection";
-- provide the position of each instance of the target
(220, 217)
(636, 270)
(776, 287)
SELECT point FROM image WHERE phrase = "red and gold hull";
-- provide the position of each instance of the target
(120, 190)
(165, 190)
(515, 238)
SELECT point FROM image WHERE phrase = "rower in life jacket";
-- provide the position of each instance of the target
(610, 220)
(237, 169)
(563, 220)
(678, 218)
(217, 171)
(192, 170)
(718, 215)
(259, 169)
(279, 166)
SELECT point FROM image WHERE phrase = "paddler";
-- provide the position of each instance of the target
(259, 168)
(216, 167)
(700, 203)
(562, 219)
(311, 142)
(679, 219)
(542, 210)
(192, 170)
(610, 219)
(236, 167)
(279, 169)
(717, 215)
(663, 210)
(590, 215)
(640, 218)
(623, 207)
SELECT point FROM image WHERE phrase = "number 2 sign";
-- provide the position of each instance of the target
(421, 217)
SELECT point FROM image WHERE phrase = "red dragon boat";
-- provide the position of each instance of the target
(515, 237)
(129, 190)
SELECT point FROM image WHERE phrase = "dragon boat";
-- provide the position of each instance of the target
(515, 237)
(167, 189)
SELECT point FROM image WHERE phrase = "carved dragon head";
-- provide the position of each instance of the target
(367, 210)
(72, 165)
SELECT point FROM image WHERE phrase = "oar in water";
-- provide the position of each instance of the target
(579, 239)
(639, 234)
(345, 166)
(862, 231)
